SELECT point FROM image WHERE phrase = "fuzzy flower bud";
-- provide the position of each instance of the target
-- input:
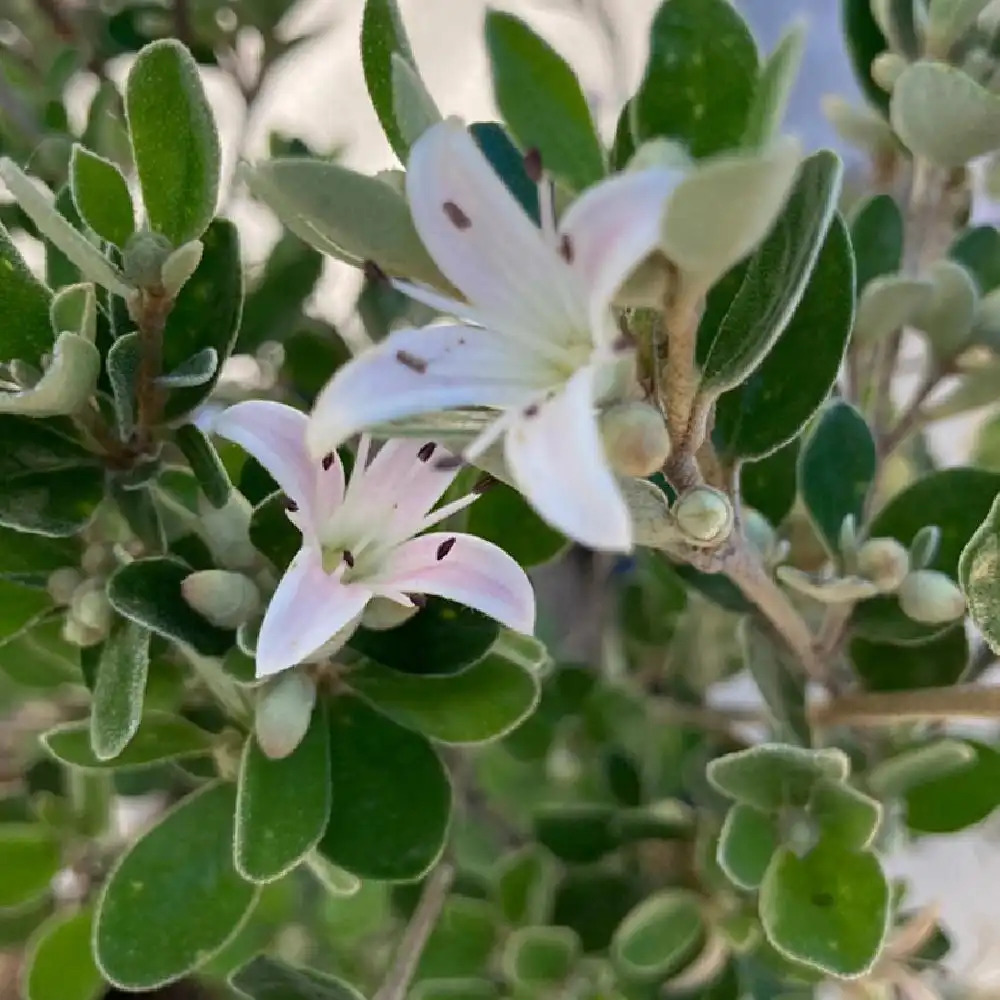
(931, 597)
(885, 562)
(382, 614)
(62, 584)
(90, 606)
(283, 713)
(704, 515)
(887, 68)
(635, 438)
(225, 599)
(226, 531)
(143, 259)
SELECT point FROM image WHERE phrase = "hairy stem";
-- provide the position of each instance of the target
(879, 708)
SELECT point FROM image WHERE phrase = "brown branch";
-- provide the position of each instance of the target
(880, 708)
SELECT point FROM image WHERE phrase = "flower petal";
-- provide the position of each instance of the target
(557, 460)
(465, 569)
(611, 229)
(417, 371)
(275, 435)
(484, 242)
(309, 607)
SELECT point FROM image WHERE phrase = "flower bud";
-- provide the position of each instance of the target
(78, 634)
(885, 562)
(225, 599)
(180, 265)
(143, 259)
(704, 515)
(887, 67)
(382, 614)
(97, 558)
(635, 438)
(62, 584)
(226, 531)
(283, 712)
(90, 606)
(932, 598)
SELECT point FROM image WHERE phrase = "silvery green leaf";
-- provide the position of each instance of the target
(774, 87)
(948, 315)
(860, 126)
(725, 207)
(838, 590)
(36, 201)
(345, 214)
(412, 106)
(949, 20)
(66, 384)
(887, 68)
(180, 265)
(888, 303)
(197, 370)
(74, 310)
(123, 368)
(942, 114)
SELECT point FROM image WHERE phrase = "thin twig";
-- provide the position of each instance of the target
(879, 708)
(404, 965)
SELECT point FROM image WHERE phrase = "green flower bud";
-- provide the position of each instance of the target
(887, 68)
(144, 257)
(225, 599)
(947, 317)
(226, 531)
(885, 562)
(97, 558)
(180, 265)
(635, 438)
(704, 515)
(931, 597)
(382, 614)
(90, 606)
(62, 584)
(283, 712)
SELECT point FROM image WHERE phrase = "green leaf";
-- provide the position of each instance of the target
(593, 902)
(462, 942)
(268, 979)
(978, 250)
(455, 989)
(382, 35)
(780, 681)
(160, 737)
(442, 638)
(836, 470)
(700, 79)
(864, 42)
(736, 334)
(502, 516)
(957, 500)
(769, 485)
(658, 936)
(508, 162)
(746, 845)
(196, 370)
(29, 858)
(877, 238)
(31, 558)
(21, 607)
(174, 141)
(119, 690)
(881, 620)
(345, 214)
(896, 775)
(101, 196)
(829, 910)
(769, 409)
(541, 100)
(577, 832)
(26, 331)
(525, 882)
(774, 88)
(540, 956)
(205, 315)
(413, 107)
(49, 484)
(272, 533)
(478, 705)
(770, 776)
(282, 806)
(938, 662)
(205, 464)
(122, 364)
(148, 592)
(142, 515)
(958, 799)
(34, 653)
(388, 822)
(845, 815)
(979, 575)
(311, 358)
(60, 963)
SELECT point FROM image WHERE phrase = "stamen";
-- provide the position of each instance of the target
(443, 513)
(374, 273)
(445, 547)
(533, 165)
(327, 462)
(419, 600)
(566, 248)
(349, 558)
(531, 410)
(456, 216)
(290, 504)
(426, 450)
(411, 361)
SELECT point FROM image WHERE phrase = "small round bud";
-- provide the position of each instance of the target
(635, 438)
(226, 531)
(90, 606)
(382, 614)
(78, 634)
(932, 598)
(143, 259)
(887, 68)
(97, 558)
(283, 712)
(704, 515)
(225, 599)
(62, 584)
(885, 562)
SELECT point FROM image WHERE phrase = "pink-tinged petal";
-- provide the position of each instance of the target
(417, 371)
(611, 229)
(556, 458)
(465, 569)
(308, 609)
(484, 242)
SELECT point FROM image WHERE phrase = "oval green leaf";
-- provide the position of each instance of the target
(60, 964)
(26, 331)
(659, 935)
(119, 690)
(29, 859)
(101, 196)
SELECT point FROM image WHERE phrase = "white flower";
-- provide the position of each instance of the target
(358, 541)
(538, 338)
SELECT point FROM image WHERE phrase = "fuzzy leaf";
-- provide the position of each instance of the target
(119, 690)
(101, 196)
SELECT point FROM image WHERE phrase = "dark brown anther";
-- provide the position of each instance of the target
(456, 216)
(566, 248)
(349, 558)
(374, 273)
(531, 410)
(485, 483)
(419, 600)
(290, 504)
(533, 165)
(445, 547)
(426, 450)
(411, 361)
(327, 462)
(448, 463)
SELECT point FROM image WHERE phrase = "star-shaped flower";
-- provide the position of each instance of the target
(538, 338)
(365, 540)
